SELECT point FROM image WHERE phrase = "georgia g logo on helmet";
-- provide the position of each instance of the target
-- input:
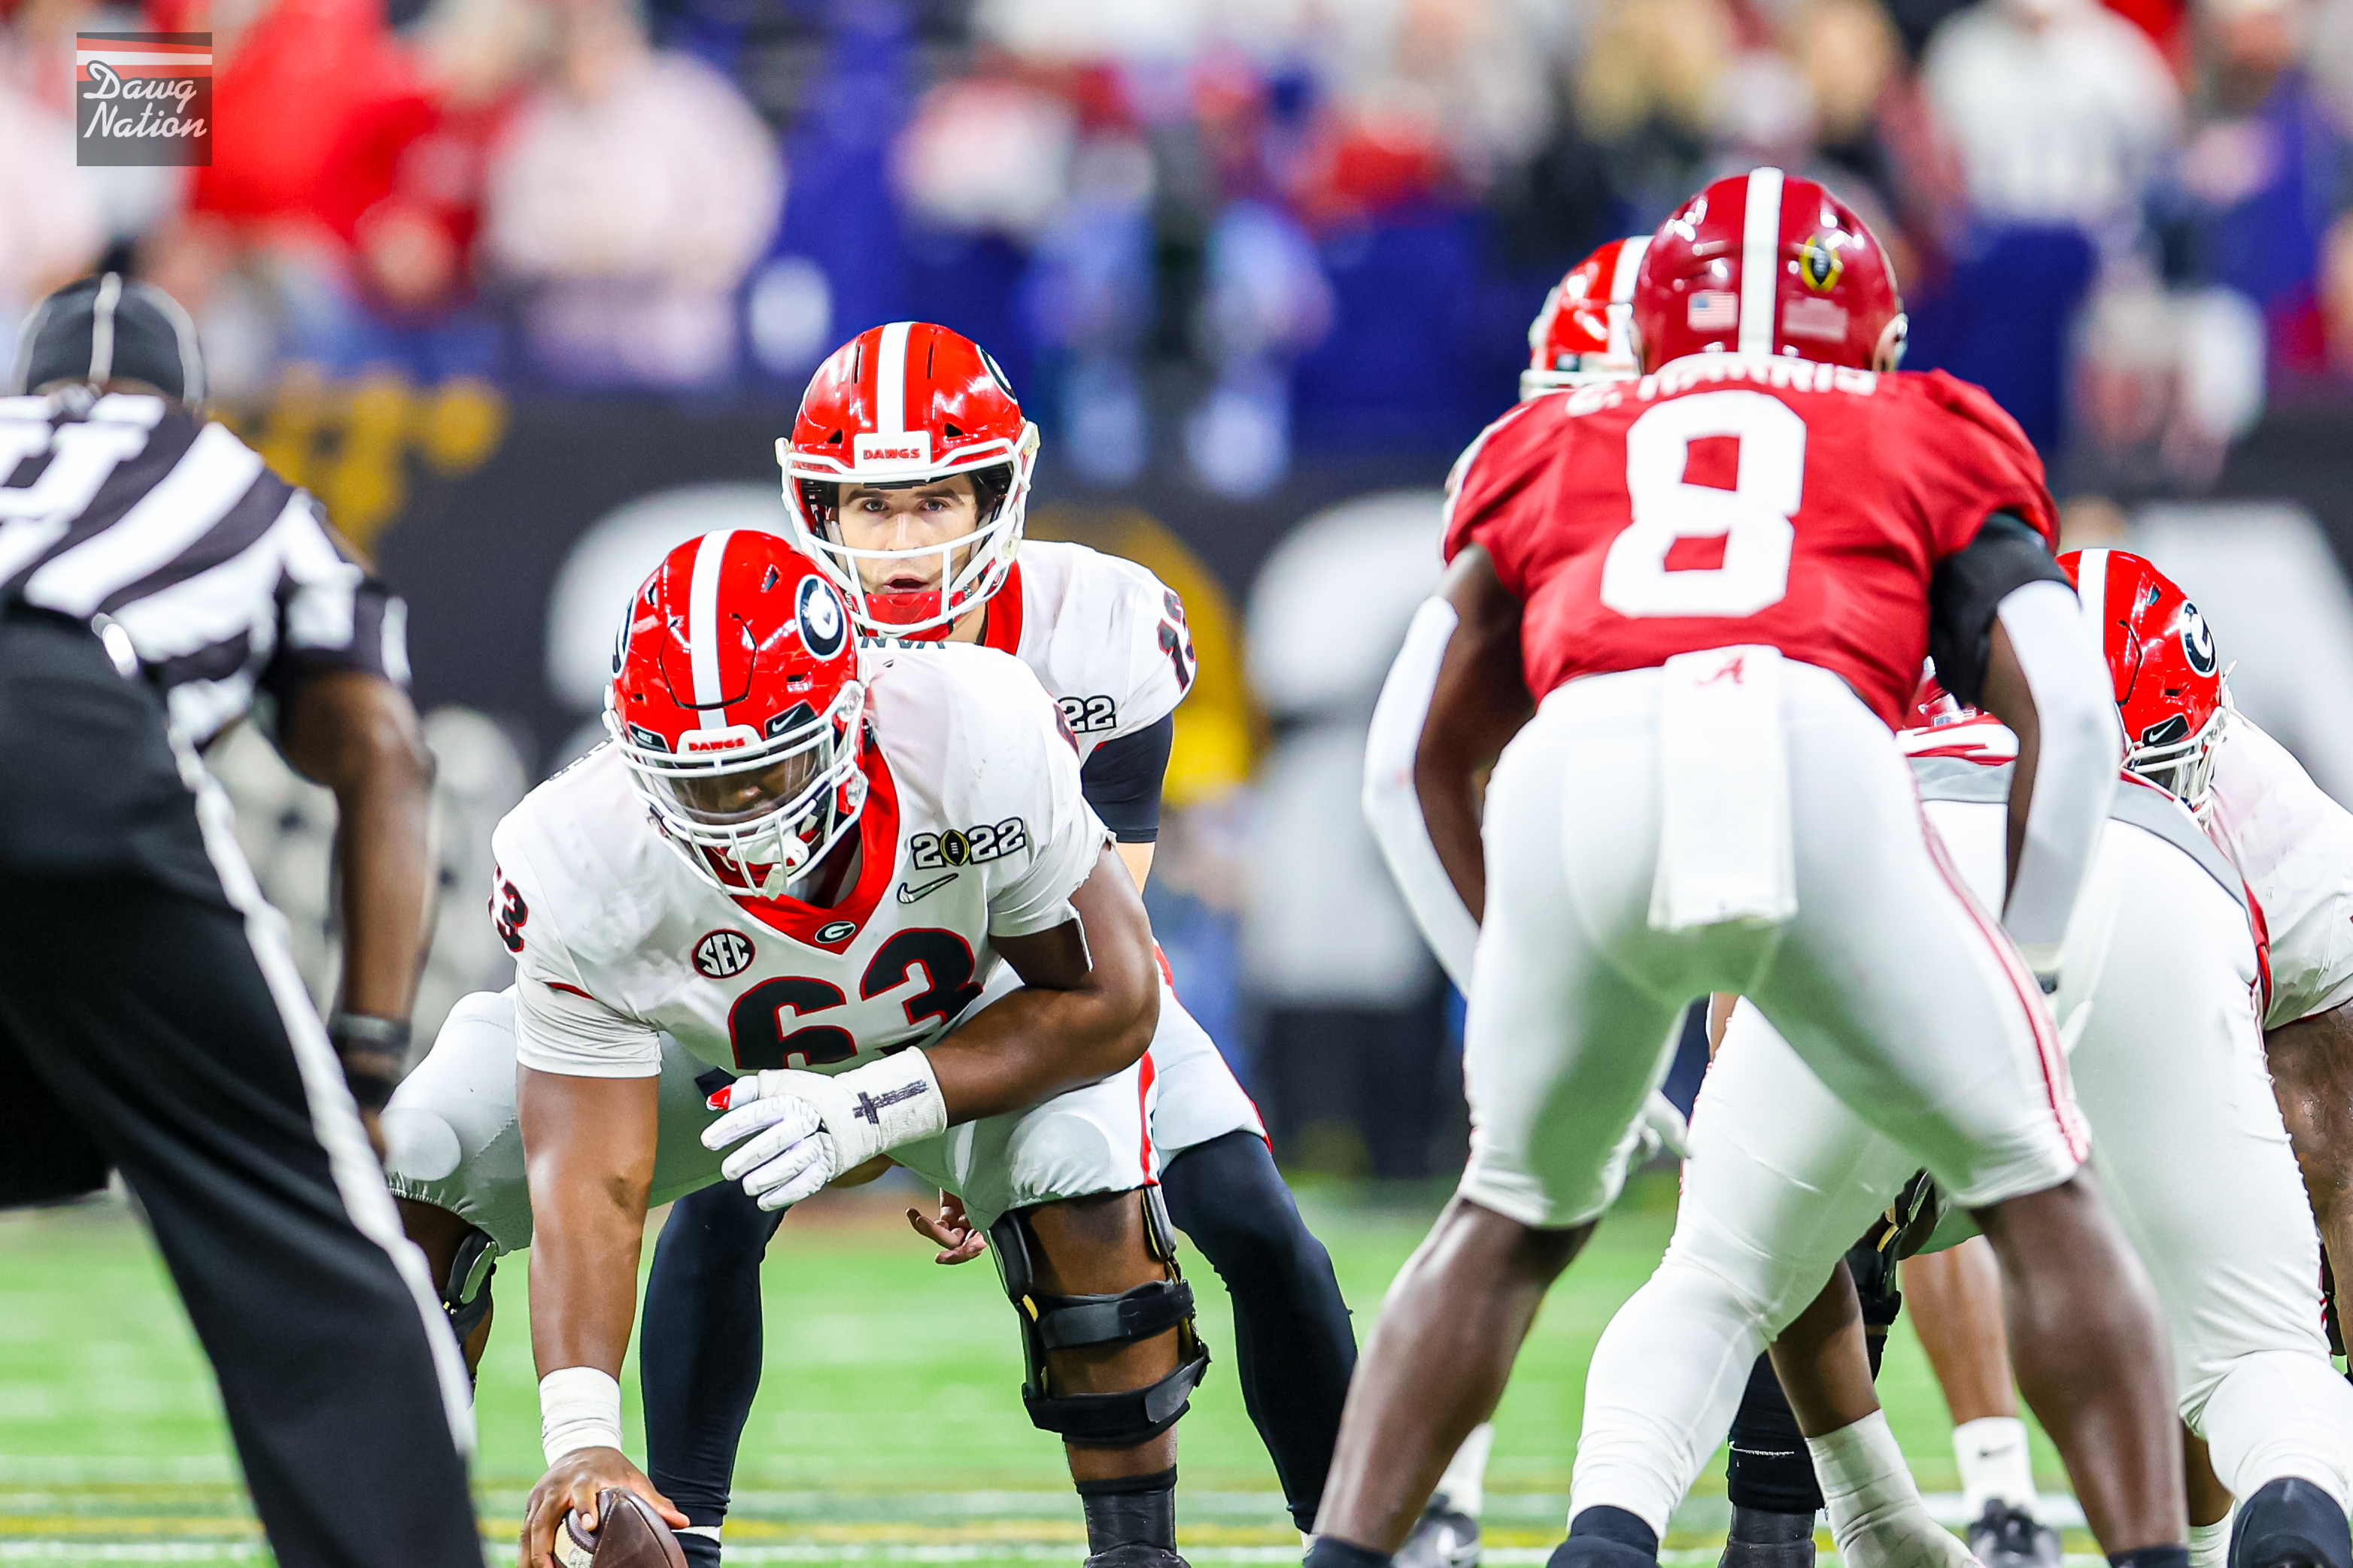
(2197, 640)
(823, 621)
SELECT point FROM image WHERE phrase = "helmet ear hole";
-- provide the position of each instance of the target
(1889, 354)
(990, 486)
(820, 499)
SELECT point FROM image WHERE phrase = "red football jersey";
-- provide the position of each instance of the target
(1723, 501)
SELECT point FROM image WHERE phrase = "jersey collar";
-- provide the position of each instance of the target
(1000, 624)
(833, 928)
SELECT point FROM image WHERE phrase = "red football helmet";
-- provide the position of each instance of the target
(2160, 653)
(1766, 263)
(737, 704)
(898, 405)
(1933, 706)
(1580, 335)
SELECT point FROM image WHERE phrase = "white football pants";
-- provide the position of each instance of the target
(2187, 1137)
(1890, 981)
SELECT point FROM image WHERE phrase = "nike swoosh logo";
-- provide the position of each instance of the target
(908, 895)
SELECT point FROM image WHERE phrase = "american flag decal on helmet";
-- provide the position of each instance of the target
(1714, 310)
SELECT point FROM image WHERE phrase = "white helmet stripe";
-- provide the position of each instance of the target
(1760, 256)
(1630, 262)
(890, 380)
(703, 622)
(1621, 294)
(2092, 587)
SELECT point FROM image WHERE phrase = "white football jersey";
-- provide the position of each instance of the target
(2295, 846)
(973, 829)
(2291, 843)
(1106, 637)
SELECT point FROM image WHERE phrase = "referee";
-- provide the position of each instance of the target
(157, 583)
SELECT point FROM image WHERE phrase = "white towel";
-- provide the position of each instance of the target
(1724, 851)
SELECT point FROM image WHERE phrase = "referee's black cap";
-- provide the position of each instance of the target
(110, 328)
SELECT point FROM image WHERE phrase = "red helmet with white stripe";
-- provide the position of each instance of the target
(1580, 335)
(736, 703)
(2169, 681)
(1766, 263)
(1933, 706)
(900, 406)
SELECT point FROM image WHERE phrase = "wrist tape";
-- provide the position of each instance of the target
(579, 1408)
(884, 1104)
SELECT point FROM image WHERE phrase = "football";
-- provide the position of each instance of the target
(631, 1535)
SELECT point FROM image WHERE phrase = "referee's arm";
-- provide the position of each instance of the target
(357, 732)
(338, 711)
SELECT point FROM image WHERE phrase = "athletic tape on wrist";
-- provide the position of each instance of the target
(895, 1100)
(579, 1408)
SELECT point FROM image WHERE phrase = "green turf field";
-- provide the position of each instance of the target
(889, 1428)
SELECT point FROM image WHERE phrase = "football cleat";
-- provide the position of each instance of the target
(1135, 1555)
(1444, 1537)
(1767, 263)
(2290, 1524)
(2008, 1536)
(1762, 1540)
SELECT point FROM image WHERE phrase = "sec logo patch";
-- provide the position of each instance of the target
(723, 954)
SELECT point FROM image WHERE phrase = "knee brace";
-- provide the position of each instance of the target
(1118, 1420)
(467, 1297)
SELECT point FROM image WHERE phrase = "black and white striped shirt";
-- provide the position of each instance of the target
(228, 581)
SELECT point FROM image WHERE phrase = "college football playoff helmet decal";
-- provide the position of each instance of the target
(737, 704)
(904, 404)
(1581, 334)
(2169, 681)
(1767, 263)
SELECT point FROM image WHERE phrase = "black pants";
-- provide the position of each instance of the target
(140, 1028)
(700, 1347)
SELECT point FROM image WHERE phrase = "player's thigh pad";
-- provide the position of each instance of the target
(1572, 1013)
(450, 1135)
(1088, 1141)
(1895, 984)
(1196, 1095)
(452, 1138)
(1782, 1175)
(1782, 1179)
(2185, 1127)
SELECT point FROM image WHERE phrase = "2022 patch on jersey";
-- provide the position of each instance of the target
(973, 829)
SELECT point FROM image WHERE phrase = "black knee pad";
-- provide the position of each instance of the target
(1118, 1420)
(467, 1297)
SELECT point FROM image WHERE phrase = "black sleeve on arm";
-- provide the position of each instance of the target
(1121, 781)
(1969, 586)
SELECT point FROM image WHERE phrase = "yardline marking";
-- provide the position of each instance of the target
(76, 1551)
(46, 1477)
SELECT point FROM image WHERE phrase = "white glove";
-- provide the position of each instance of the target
(1663, 1127)
(804, 1129)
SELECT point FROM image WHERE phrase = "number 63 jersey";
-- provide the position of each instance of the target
(1733, 500)
(973, 829)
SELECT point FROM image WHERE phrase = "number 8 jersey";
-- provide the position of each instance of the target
(973, 829)
(1726, 498)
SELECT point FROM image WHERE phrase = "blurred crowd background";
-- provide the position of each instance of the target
(522, 288)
